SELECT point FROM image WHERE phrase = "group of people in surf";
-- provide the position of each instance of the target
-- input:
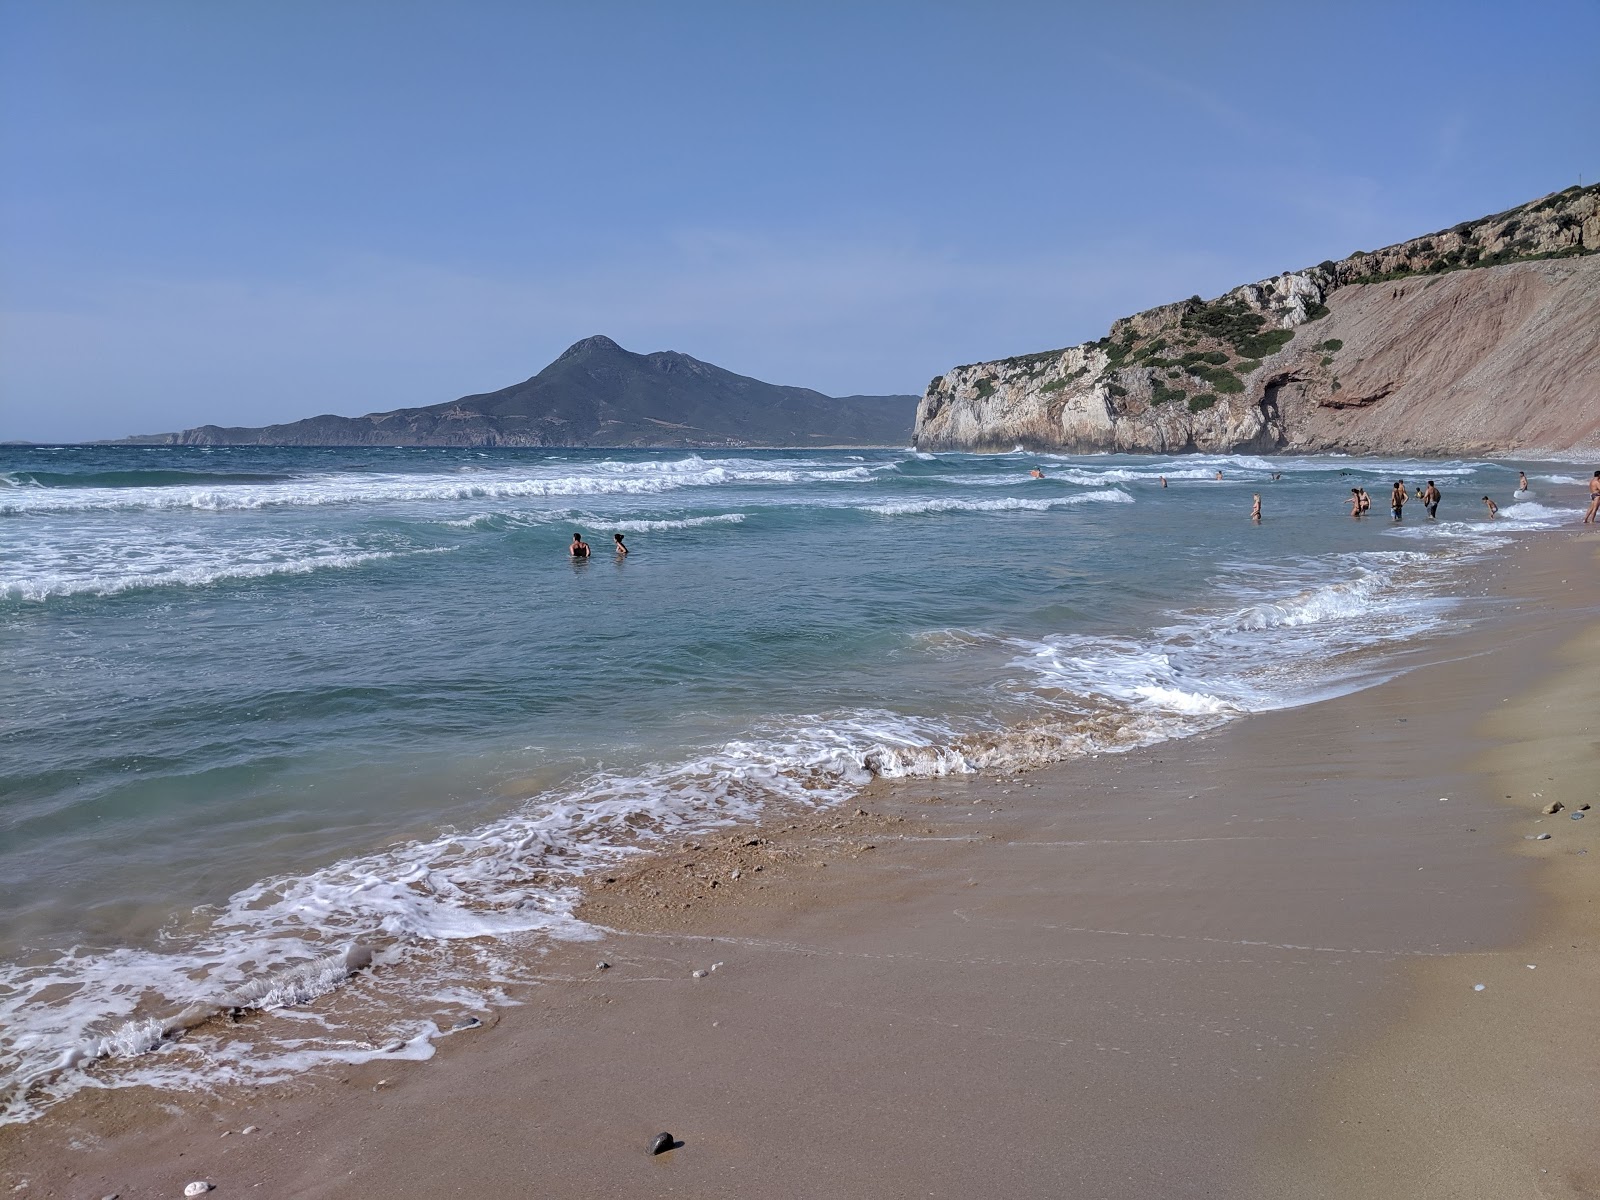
(578, 549)
(1430, 496)
(1360, 503)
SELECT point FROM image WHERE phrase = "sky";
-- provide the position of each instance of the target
(261, 210)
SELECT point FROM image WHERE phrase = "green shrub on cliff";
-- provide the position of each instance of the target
(1201, 402)
(1331, 344)
(1260, 345)
(985, 389)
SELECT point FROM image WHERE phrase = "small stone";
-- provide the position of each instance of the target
(225, 1133)
(715, 965)
(198, 1188)
(1583, 808)
(394, 1047)
(1578, 816)
(1477, 987)
(1552, 808)
(1541, 837)
(602, 966)
(661, 1143)
(736, 873)
(465, 1023)
(248, 1129)
(698, 974)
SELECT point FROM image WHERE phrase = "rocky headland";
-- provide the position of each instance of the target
(1480, 338)
(598, 394)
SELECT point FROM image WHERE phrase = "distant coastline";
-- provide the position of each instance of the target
(597, 395)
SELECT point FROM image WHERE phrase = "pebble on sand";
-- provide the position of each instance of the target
(602, 966)
(248, 1129)
(1477, 987)
(198, 1188)
(698, 974)
(1552, 808)
(661, 1143)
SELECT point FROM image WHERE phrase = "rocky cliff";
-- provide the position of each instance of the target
(598, 394)
(1478, 338)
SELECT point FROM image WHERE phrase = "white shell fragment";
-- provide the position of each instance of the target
(1477, 987)
(198, 1188)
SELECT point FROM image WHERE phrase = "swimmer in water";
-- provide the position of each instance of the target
(1397, 499)
(1219, 474)
(579, 547)
(1163, 479)
(1430, 500)
(1494, 509)
(1255, 509)
(1036, 473)
(622, 551)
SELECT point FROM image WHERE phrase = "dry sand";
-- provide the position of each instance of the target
(1238, 965)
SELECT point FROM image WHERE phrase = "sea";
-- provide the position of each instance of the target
(262, 706)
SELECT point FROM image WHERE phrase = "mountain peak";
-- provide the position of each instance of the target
(598, 344)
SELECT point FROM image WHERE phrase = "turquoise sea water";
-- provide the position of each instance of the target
(260, 704)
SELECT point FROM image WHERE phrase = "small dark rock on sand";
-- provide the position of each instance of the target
(661, 1143)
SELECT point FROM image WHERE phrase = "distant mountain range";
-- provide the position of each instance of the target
(598, 394)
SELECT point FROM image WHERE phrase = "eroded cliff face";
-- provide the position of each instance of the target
(1479, 338)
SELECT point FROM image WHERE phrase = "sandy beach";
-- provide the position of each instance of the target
(1242, 964)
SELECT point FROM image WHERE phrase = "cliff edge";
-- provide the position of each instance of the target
(1480, 338)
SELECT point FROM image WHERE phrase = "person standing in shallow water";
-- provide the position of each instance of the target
(1430, 500)
(1522, 481)
(1494, 509)
(622, 551)
(579, 548)
(1356, 507)
(1366, 501)
(1594, 500)
(1397, 499)
(1255, 508)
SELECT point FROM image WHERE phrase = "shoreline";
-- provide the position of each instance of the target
(846, 957)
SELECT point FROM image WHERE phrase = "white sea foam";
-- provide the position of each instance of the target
(901, 508)
(594, 479)
(664, 524)
(46, 574)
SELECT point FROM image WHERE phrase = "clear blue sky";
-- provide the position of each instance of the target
(260, 210)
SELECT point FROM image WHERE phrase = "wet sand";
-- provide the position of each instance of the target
(1235, 965)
